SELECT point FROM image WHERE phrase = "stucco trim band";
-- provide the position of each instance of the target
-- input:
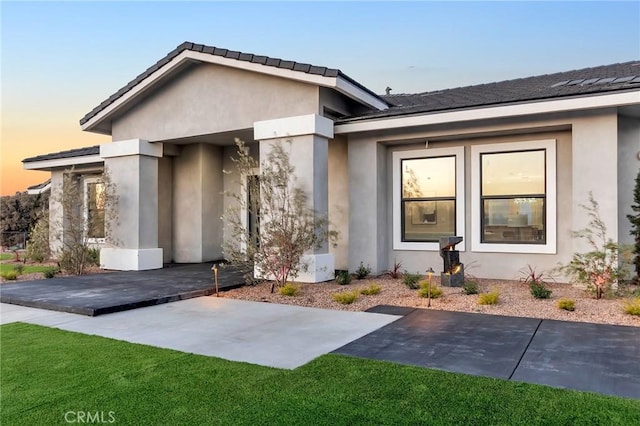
(121, 259)
(312, 124)
(130, 147)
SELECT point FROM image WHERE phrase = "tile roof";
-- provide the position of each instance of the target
(79, 152)
(39, 186)
(231, 54)
(587, 81)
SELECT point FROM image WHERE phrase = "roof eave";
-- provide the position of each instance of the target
(535, 107)
(48, 165)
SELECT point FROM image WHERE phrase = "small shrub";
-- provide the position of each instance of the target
(489, 298)
(93, 257)
(38, 245)
(19, 268)
(343, 277)
(362, 271)
(50, 272)
(567, 304)
(345, 298)
(632, 307)
(470, 287)
(539, 290)
(371, 290)
(636, 292)
(10, 275)
(289, 289)
(436, 291)
(395, 272)
(411, 280)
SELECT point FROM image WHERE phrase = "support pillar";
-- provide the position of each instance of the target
(309, 149)
(133, 169)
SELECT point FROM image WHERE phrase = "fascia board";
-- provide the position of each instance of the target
(62, 162)
(531, 108)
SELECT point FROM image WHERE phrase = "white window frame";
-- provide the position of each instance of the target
(550, 247)
(398, 156)
(85, 208)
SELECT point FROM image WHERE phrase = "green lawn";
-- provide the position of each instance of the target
(7, 256)
(28, 269)
(46, 373)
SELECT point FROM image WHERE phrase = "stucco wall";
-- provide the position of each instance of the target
(207, 99)
(165, 205)
(496, 265)
(368, 203)
(628, 165)
(339, 199)
(197, 203)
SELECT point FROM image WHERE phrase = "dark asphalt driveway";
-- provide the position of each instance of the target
(582, 356)
(99, 294)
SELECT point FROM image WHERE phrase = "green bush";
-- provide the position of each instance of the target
(343, 277)
(50, 272)
(10, 275)
(567, 304)
(289, 289)
(411, 280)
(436, 291)
(93, 256)
(636, 292)
(362, 271)
(539, 290)
(345, 298)
(19, 268)
(489, 298)
(470, 287)
(632, 307)
(371, 290)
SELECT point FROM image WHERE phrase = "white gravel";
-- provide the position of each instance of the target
(514, 300)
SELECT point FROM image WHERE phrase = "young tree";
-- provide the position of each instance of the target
(599, 268)
(288, 227)
(635, 226)
(86, 214)
(38, 248)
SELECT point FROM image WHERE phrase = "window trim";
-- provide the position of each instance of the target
(397, 157)
(85, 207)
(550, 246)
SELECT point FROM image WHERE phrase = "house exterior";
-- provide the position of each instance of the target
(504, 165)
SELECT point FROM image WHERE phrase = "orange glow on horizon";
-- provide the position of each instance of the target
(21, 140)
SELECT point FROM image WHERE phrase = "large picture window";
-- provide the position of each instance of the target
(428, 197)
(514, 197)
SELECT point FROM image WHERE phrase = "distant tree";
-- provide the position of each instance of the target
(635, 226)
(81, 221)
(288, 226)
(18, 214)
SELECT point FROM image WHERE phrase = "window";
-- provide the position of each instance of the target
(428, 197)
(95, 209)
(514, 197)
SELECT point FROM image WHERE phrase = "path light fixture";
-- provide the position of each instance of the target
(429, 274)
(214, 268)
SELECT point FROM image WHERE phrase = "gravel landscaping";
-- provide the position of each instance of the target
(515, 299)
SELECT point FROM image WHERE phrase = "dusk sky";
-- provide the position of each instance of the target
(59, 60)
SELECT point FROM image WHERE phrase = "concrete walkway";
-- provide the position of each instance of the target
(259, 333)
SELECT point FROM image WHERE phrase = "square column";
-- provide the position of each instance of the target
(133, 168)
(308, 153)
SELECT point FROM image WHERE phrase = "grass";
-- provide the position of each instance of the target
(490, 298)
(7, 256)
(345, 297)
(48, 372)
(28, 269)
